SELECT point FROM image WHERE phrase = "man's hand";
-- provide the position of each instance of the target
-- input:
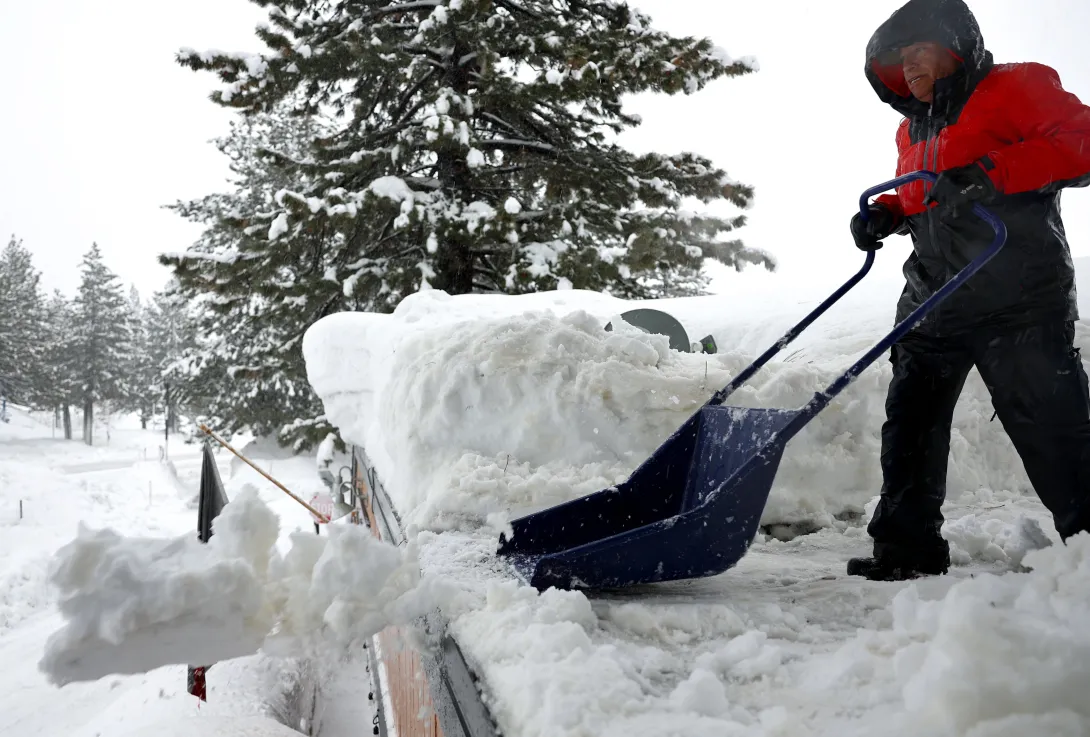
(959, 189)
(869, 233)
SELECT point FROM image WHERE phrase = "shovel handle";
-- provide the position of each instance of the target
(822, 399)
(898, 332)
(864, 203)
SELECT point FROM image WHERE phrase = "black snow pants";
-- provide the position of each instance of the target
(1039, 392)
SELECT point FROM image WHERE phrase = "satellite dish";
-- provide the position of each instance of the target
(657, 323)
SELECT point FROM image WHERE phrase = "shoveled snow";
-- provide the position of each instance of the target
(477, 404)
(121, 485)
(477, 409)
(135, 604)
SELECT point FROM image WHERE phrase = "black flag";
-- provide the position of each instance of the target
(212, 501)
(213, 497)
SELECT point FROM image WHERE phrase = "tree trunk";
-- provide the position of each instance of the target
(168, 420)
(89, 421)
(454, 262)
(66, 413)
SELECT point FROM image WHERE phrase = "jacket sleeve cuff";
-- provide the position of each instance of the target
(987, 163)
(892, 203)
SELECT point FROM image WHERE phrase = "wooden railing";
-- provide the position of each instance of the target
(417, 694)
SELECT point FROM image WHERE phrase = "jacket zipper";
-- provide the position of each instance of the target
(929, 212)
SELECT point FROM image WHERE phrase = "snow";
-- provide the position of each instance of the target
(120, 485)
(535, 385)
(326, 450)
(994, 651)
(133, 604)
(279, 226)
(221, 727)
(392, 188)
(477, 409)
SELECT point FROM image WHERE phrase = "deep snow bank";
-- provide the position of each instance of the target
(478, 405)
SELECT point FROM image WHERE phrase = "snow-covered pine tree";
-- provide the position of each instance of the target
(142, 376)
(248, 374)
(475, 147)
(243, 364)
(101, 346)
(172, 332)
(21, 353)
(59, 390)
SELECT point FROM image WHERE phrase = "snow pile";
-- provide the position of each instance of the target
(479, 408)
(472, 406)
(135, 604)
(993, 540)
(997, 656)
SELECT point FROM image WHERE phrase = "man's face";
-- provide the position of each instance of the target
(923, 63)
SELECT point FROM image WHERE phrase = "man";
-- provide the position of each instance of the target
(1009, 137)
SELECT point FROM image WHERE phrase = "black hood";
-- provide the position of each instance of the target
(947, 22)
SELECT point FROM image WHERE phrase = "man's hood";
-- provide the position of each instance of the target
(947, 22)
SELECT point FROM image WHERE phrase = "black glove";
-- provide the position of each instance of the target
(869, 233)
(958, 189)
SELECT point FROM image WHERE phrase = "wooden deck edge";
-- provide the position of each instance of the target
(429, 692)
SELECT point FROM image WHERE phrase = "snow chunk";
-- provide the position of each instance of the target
(512, 206)
(972, 538)
(326, 450)
(702, 693)
(279, 226)
(475, 158)
(134, 604)
(392, 188)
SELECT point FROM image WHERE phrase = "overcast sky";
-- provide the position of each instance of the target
(100, 126)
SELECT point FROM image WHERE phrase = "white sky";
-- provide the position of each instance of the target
(101, 127)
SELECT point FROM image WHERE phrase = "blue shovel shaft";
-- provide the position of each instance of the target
(822, 399)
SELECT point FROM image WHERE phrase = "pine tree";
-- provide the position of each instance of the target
(470, 146)
(21, 318)
(244, 372)
(143, 380)
(474, 146)
(172, 332)
(60, 389)
(252, 303)
(101, 345)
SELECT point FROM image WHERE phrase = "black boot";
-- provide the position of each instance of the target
(897, 563)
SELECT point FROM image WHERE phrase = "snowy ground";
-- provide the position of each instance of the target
(479, 409)
(63, 484)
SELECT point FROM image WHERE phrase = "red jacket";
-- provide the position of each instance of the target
(1031, 135)
(1021, 118)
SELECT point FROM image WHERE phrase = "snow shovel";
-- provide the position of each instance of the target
(692, 509)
